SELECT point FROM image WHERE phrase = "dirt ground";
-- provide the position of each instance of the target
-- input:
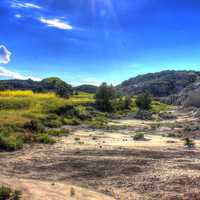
(108, 165)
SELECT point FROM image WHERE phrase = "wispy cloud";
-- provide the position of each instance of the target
(15, 75)
(4, 55)
(17, 4)
(18, 16)
(56, 23)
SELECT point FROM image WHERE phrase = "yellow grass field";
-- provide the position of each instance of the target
(19, 107)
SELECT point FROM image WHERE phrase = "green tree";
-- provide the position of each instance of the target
(127, 102)
(144, 101)
(104, 97)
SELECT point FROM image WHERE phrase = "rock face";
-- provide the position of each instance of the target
(161, 84)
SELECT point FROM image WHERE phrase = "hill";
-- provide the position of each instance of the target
(86, 88)
(160, 84)
(52, 84)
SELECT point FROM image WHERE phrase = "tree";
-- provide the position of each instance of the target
(143, 101)
(127, 102)
(104, 96)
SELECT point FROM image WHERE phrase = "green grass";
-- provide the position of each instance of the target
(160, 107)
(22, 106)
(157, 106)
(45, 138)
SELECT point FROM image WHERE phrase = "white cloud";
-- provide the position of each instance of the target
(10, 74)
(4, 55)
(18, 16)
(17, 4)
(56, 23)
(91, 81)
(5, 59)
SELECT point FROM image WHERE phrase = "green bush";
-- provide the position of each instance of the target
(10, 142)
(98, 122)
(72, 192)
(8, 103)
(71, 121)
(7, 193)
(77, 139)
(167, 116)
(143, 115)
(189, 143)
(171, 135)
(64, 110)
(144, 101)
(127, 103)
(45, 138)
(58, 132)
(82, 113)
(34, 126)
(53, 123)
(139, 136)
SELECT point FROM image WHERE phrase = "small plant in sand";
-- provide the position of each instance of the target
(7, 193)
(94, 138)
(189, 143)
(139, 136)
(77, 139)
(72, 192)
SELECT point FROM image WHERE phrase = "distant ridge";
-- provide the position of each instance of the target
(86, 88)
(160, 84)
(49, 84)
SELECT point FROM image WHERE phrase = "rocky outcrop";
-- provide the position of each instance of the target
(161, 84)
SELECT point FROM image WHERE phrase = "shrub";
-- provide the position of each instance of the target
(72, 192)
(138, 136)
(171, 135)
(58, 132)
(94, 138)
(45, 138)
(64, 110)
(98, 122)
(143, 115)
(144, 101)
(16, 103)
(10, 142)
(127, 103)
(53, 123)
(189, 143)
(34, 126)
(72, 121)
(82, 113)
(7, 193)
(167, 116)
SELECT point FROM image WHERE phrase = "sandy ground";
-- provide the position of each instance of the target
(105, 165)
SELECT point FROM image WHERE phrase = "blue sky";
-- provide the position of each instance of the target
(91, 41)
